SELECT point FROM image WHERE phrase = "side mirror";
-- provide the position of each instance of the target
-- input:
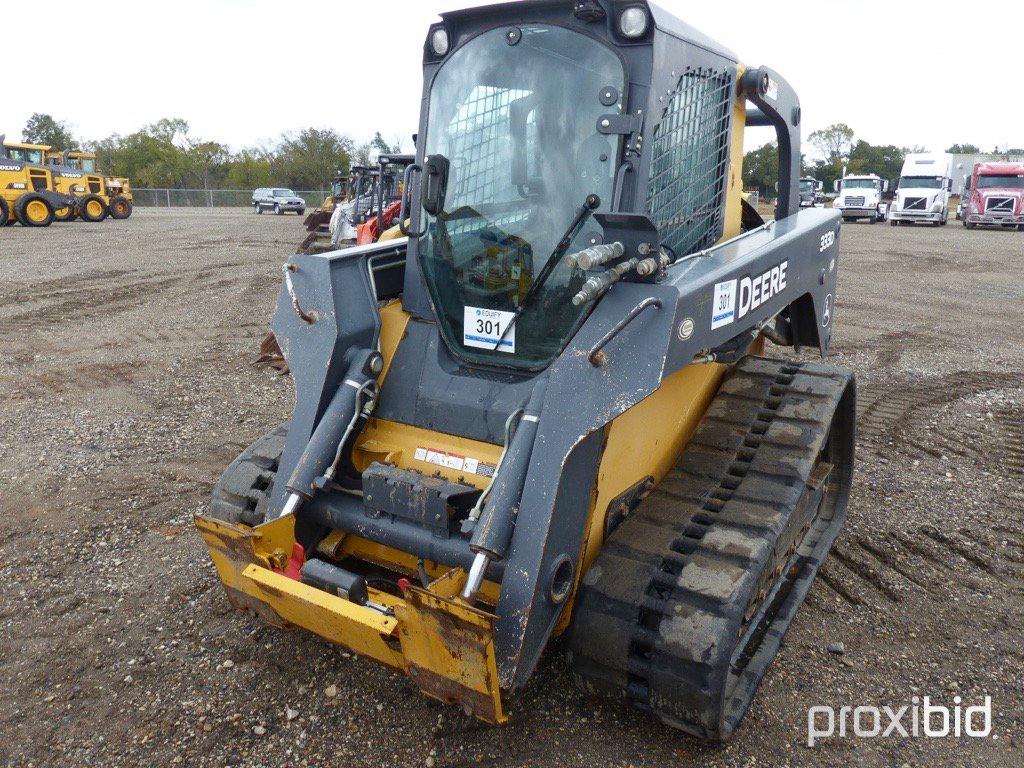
(885, 185)
(776, 186)
(835, 185)
(435, 183)
(819, 186)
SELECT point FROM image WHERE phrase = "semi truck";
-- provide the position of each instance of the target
(860, 197)
(922, 194)
(811, 193)
(994, 196)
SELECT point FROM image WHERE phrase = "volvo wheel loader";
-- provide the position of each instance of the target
(94, 195)
(27, 194)
(548, 410)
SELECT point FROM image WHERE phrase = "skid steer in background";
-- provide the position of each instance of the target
(27, 194)
(547, 410)
(361, 208)
(316, 221)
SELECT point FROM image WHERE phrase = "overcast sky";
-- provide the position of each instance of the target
(244, 71)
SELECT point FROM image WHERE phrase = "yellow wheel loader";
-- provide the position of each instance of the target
(27, 195)
(548, 411)
(98, 195)
(95, 196)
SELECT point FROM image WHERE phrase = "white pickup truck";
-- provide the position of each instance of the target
(860, 197)
(923, 192)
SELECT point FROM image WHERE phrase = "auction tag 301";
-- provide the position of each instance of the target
(482, 328)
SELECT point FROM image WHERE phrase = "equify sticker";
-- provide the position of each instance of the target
(723, 307)
(482, 328)
(453, 461)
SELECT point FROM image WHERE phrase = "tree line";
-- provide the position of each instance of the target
(838, 147)
(166, 154)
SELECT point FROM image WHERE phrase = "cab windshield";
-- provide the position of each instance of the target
(860, 184)
(88, 165)
(516, 118)
(1001, 182)
(920, 182)
(806, 186)
(26, 155)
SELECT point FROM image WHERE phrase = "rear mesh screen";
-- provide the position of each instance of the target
(689, 157)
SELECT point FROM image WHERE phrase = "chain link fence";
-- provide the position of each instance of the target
(211, 198)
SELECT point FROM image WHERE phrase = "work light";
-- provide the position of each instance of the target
(633, 22)
(439, 41)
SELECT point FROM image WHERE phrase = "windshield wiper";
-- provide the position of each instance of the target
(588, 207)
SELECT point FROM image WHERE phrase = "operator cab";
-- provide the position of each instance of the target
(25, 153)
(519, 167)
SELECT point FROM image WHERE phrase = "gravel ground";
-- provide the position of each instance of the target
(126, 389)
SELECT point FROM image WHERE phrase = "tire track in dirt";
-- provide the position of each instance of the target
(901, 413)
(81, 379)
(891, 566)
(87, 304)
(54, 288)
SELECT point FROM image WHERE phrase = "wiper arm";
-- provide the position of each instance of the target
(588, 207)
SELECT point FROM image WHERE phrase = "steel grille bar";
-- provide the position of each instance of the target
(686, 192)
(479, 143)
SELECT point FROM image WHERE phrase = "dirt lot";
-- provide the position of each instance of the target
(125, 389)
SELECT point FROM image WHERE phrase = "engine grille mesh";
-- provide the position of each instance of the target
(689, 158)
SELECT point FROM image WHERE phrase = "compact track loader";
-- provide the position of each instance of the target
(547, 411)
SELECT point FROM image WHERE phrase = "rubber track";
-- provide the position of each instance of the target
(243, 491)
(683, 609)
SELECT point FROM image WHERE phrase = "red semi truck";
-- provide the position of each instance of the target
(994, 196)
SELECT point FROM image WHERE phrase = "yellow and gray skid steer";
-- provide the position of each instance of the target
(548, 411)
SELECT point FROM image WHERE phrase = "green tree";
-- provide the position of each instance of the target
(382, 147)
(312, 158)
(761, 169)
(249, 169)
(155, 156)
(206, 160)
(964, 149)
(362, 154)
(835, 142)
(885, 161)
(44, 129)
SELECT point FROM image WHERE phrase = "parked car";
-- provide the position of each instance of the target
(278, 200)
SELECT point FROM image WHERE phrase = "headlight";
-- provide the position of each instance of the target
(633, 22)
(439, 41)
